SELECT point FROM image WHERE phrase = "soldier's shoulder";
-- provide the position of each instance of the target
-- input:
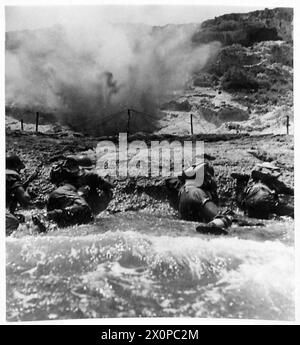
(12, 174)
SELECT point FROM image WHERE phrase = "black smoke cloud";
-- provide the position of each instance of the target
(85, 74)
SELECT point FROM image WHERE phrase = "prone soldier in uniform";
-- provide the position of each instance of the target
(95, 189)
(198, 199)
(259, 194)
(71, 203)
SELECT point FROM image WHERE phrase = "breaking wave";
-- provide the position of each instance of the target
(131, 274)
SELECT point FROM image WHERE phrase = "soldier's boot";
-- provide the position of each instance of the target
(218, 226)
(39, 224)
(11, 223)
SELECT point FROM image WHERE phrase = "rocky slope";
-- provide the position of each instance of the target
(248, 28)
(248, 84)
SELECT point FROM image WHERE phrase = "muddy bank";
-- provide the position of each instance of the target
(230, 154)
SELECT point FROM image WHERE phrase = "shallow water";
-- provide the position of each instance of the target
(134, 265)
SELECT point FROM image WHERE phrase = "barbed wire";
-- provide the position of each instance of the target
(143, 113)
(195, 119)
(110, 116)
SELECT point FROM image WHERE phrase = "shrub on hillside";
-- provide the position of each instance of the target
(205, 80)
(231, 56)
(282, 53)
(238, 79)
(227, 25)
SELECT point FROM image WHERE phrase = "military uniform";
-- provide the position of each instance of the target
(11, 222)
(260, 198)
(78, 196)
(13, 182)
(66, 207)
(96, 190)
(192, 201)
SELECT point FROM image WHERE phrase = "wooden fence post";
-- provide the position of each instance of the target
(192, 128)
(37, 122)
(128, 121)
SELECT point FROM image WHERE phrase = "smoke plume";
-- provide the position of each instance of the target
(85, 75)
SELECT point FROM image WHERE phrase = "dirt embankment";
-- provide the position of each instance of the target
(150, 193)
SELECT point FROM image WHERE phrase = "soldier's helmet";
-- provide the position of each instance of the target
(83, 161)
(13, 162)
(194, 175)
(70, 165)
(267, 168)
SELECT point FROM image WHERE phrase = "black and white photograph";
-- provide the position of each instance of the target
(149, 162)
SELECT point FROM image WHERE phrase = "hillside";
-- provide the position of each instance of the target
(248, 84)
(244, 83)
(248, 28)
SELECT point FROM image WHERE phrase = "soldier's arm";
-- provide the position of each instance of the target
(104, 184)
(282, 188)
(22, 197)
(208, 207)
(95, 181)
(70, 213)
(273, 183)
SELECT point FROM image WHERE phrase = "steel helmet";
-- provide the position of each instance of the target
(13, 162)
(268, 168)
(268, 165)
(82, 160)
(66, 171)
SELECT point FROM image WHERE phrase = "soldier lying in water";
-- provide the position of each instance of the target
(258, 194)
(80, 193)
(198, 198)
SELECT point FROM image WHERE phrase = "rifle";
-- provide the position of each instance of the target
(241, 178)
(245, 221)
(273, 183)
(32, 177)
(241, 220)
